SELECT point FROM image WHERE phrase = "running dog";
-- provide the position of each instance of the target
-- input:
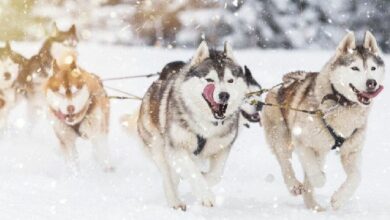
(192, 114)
(342, 94)
(78, 107)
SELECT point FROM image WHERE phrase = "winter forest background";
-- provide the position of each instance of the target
(284, 24)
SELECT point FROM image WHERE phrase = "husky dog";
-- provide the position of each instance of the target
(78, 107)
(38, 69)
(343, 91)
(193, 115)
(11, 65)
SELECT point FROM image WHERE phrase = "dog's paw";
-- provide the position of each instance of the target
(317, 180)
(337, 201)
(297, 189)
(180, 206)
(317, 208)
(208, 200)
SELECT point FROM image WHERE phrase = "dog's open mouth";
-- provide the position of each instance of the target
(365, 97)
(218, 109)
(68, 118)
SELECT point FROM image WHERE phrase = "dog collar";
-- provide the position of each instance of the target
(337, 97)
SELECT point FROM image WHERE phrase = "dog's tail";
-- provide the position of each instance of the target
(129, 122)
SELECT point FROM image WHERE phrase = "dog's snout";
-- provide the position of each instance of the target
(7, 76)
(371, 84)
(224, 97)
(70, 109)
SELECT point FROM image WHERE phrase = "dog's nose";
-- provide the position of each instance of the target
(70, 109)
(7, 76)
(371, 84)
(224, 97)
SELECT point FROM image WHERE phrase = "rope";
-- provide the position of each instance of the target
(124, 97)
(129, 95)
(131, 77)
(312, 112)
(262, 91)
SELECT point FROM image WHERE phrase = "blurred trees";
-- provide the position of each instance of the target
(184, 23)
(17, 22)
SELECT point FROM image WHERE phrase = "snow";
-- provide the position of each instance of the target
(35, 183)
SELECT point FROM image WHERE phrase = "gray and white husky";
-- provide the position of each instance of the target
(343, 91)
(191, 114)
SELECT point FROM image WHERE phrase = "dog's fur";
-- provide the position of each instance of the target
(178, 126)
(346, 113)
(78, 107)
(11, 66)
(58, 45)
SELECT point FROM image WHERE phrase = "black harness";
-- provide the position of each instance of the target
(338, 140)
(201, 143)
(342, 100)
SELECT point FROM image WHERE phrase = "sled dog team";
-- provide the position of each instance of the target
(192, 112)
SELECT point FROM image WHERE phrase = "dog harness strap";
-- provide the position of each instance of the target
(338, 140)
(201, 144)
(337, 97)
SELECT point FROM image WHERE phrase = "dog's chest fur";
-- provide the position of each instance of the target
(306, 128)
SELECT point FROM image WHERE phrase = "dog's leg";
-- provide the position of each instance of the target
(170, 179)
(67, 138)
(182, 163)
(311, 164)
(101, 152)
(351, 165)
(278, 137)
(282, 149)
(68, 148)
(308, 195)
(217, 165)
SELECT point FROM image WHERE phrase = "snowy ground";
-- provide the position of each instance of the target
(35, 183)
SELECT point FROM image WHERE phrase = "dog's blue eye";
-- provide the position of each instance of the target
(230, 81)
(354, 68)
(373, 68)
(209, 80)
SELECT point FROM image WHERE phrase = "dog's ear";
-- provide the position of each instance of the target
(54, 30)
(250, 81)
(347, 44)
(72, 29)
(7, 46)
(370, 43)
(228, 50)
(201, 54)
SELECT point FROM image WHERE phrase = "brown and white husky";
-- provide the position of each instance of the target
(38, 68)
(11, 65)
(78, 106)
(343, 90)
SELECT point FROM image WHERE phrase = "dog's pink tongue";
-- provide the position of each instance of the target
(208, 92)
(372, 94)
